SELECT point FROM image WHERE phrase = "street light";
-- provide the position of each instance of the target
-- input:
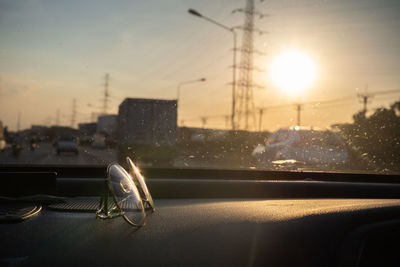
(232, 30)
(178, 89)
(194, 12)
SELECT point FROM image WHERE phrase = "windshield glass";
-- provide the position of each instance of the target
(276, 85)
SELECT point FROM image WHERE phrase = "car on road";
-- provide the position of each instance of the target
(302, 147)
(66, 143)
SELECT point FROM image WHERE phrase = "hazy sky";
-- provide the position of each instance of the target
(54, 51)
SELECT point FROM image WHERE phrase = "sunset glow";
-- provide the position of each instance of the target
(293, 72)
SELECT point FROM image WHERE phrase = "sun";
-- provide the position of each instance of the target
(293, 72)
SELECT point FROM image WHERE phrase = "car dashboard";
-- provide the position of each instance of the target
(211, 220)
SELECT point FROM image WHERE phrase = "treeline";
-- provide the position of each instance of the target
(376, 138)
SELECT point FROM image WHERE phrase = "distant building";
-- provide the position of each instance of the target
(107, 125)
(39, 129)
(54, 132)
(147, 122)
(87, 129)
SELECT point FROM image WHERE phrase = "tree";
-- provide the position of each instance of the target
(377, 137)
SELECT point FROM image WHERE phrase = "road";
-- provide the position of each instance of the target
(45, 155)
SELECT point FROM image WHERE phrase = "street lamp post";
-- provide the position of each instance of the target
(178, 89)
(232, 30)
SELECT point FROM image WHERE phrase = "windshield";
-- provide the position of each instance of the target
(275, 85)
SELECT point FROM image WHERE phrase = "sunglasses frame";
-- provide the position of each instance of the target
(106, 212)
(135, 172)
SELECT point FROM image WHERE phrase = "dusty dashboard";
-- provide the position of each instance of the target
(235, 222)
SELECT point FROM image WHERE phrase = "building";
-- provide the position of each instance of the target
(147, 121)
(107, 125)
(147, 131)
(87, 129)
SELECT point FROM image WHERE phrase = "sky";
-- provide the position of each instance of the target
(54, 51)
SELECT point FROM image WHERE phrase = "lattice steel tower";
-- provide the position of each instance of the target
(73, 114)
(245, 107)
(246, 117)
(106, 98)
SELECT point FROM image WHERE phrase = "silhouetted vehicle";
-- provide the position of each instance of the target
(66, 143)
(302, 147)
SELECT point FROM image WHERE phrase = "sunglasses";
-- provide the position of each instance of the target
(130, 195)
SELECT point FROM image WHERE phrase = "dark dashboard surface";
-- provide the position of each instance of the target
(201, 232)
(211, 218)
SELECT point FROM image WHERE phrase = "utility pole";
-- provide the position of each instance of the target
(106, 93)
(178, 92)
(365, 102)
(245, 99)
(260, 115)
(234, 66)
(298, 108)
(203, 121)
(73, 115)
(364, 99)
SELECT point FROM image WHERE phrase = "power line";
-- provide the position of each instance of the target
(330, 101)
(330, 9)
(299, 107)
(396, 91)
(261, 113)
(366, 97)
(333, 105)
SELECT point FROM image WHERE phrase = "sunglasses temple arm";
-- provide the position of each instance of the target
(104, 199)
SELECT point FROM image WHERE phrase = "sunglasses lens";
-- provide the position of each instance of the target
(126, 195)
(139, 180)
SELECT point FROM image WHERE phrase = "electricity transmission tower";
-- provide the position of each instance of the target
(244, 97)
(73, 114)
(106, 93)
